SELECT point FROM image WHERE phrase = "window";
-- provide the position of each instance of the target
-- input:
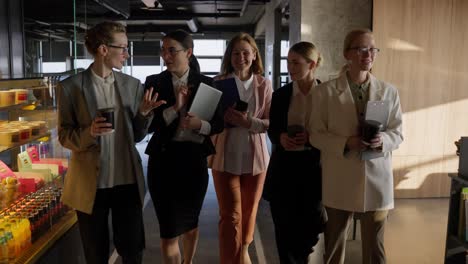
(284, 64)
(141, 72)
(209, 47)
(210, 65)
(83, 63)
(210, 55)
(52, 67)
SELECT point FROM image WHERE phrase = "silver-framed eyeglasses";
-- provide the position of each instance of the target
(362, 50)
(171, 51)
(124, 49)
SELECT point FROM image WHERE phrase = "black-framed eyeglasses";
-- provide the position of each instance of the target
(171, 51)
(362, 50)
(124, 49)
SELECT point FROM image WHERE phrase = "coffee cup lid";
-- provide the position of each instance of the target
(108, 109)
(374, 123)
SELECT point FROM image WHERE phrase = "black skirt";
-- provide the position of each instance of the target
(177, 181)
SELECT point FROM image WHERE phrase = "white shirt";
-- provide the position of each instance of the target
(300, 107)
(238, 153)
(110, 173)
(170, 114)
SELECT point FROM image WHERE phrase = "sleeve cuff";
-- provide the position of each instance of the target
(87, 139)
(205, 128)
(256, 125)
(148, 116)
(169, 115)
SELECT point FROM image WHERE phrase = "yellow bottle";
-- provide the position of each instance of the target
(10, 242)
(3, 247)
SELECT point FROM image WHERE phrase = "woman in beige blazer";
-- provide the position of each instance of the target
(105, 175)
(241, 160)
(350, 184)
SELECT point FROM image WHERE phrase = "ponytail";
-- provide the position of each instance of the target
(193, 64)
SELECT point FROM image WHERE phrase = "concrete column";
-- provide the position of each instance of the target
(325, 23)
(273, 43)
(11, 39)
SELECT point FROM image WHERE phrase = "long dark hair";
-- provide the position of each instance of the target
(186, 40)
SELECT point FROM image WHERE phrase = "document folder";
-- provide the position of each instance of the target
(205, 102)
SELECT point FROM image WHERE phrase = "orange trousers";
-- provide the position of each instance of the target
(238, 198)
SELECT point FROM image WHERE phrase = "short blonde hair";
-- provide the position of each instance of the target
(102, 33)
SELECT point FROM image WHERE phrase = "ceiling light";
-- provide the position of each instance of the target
(193, 25)
(152, 3)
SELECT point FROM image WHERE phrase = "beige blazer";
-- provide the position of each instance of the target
(76, 110)
(262, 92)
(348, 182)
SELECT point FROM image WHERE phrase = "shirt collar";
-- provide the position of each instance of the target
(296, 90)
(108, 80)
(247, 83)
(183, 80)
(364, 86)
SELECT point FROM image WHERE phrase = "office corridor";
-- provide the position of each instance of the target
(415, 233)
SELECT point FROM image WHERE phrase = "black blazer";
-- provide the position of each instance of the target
(279, 181)
(162, 84)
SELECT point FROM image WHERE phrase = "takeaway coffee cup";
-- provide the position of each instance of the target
(369, 129)
(108, 114)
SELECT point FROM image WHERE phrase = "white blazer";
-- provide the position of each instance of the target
(349, 183)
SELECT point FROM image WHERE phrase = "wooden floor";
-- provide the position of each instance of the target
(415, 233)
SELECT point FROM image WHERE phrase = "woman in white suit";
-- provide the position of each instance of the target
(350, 184)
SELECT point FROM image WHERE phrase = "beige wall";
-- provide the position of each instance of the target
(425, 53)
(325, 23)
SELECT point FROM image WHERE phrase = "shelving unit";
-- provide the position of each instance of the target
(46, 241)
(46, 111)
(34, 138)
(455, 249)
(12, 107)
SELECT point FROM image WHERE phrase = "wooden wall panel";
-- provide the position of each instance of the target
(424, 53)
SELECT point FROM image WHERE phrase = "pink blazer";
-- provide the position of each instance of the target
(260, 122)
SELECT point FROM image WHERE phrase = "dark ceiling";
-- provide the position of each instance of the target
(54, 19)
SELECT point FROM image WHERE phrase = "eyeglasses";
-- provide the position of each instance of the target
(124, 49)
(362, 50)
(171, 51)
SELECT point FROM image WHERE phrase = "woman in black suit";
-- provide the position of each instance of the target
(177, 166)
(293, 183)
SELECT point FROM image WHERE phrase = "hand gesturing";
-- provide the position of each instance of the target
(149, 103)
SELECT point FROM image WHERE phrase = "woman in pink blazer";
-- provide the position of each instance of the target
(241, 160)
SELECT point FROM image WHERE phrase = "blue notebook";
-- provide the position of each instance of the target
(230, 94)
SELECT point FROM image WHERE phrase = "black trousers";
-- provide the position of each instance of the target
(127, 225)
(297, 230)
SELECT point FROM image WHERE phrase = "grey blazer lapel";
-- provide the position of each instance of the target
(121, 85)
(89, 93)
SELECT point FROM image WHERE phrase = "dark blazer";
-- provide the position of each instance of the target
(162, 84)
(281, 181)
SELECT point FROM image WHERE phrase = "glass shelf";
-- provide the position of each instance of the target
(34, 138)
